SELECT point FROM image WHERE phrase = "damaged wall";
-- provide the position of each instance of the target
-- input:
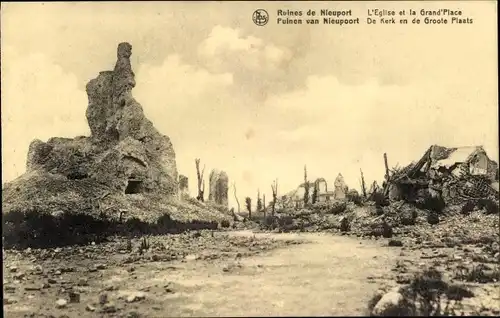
(218, 190)
(183, 187)
(340, 188)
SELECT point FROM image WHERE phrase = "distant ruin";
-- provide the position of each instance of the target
(183, 187)
(295, 198)
(323, 195)
(218, 181)
(340, 188)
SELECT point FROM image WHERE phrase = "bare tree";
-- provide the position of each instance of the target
(315, 192)
(259, 202)
(201, 181)
(248, 202)
(264, 203)
(386, 167)
(236, 197)
(274, 188)
(363, 186)
(385, 184)
(306, 187)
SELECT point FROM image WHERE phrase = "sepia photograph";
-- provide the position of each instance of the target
(250, 158)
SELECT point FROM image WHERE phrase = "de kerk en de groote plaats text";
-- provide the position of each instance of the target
(374, 16)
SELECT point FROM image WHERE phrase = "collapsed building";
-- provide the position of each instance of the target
(454, 174)
(374, 188)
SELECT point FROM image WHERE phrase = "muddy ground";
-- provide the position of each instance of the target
(228, 274)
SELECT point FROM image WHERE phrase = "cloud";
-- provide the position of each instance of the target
(259, 67)
(39, 100)
(228, 39)
(178, 85)
(180, 98)
(225, 46)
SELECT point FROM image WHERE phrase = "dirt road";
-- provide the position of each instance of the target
(327, 276)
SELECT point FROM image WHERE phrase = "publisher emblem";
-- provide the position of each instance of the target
(260, 17)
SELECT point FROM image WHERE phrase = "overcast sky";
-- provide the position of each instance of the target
(257, 102)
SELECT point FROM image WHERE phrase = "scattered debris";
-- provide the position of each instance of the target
(61, 303)
(90, 308)
(395, 242)
(75, 283)
(109, 308)
(74, 297)
(136, 296)
(103, 298)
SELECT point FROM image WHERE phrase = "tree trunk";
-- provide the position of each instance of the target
(274, 188)
(201, 182)
(363, 186)
(386, 168)
(236, 197)
(264, 204)
(248, 202)
(306, 188)
(315, 192)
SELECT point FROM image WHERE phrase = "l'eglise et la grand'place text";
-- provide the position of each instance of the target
(324, 16)
(440, 16)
